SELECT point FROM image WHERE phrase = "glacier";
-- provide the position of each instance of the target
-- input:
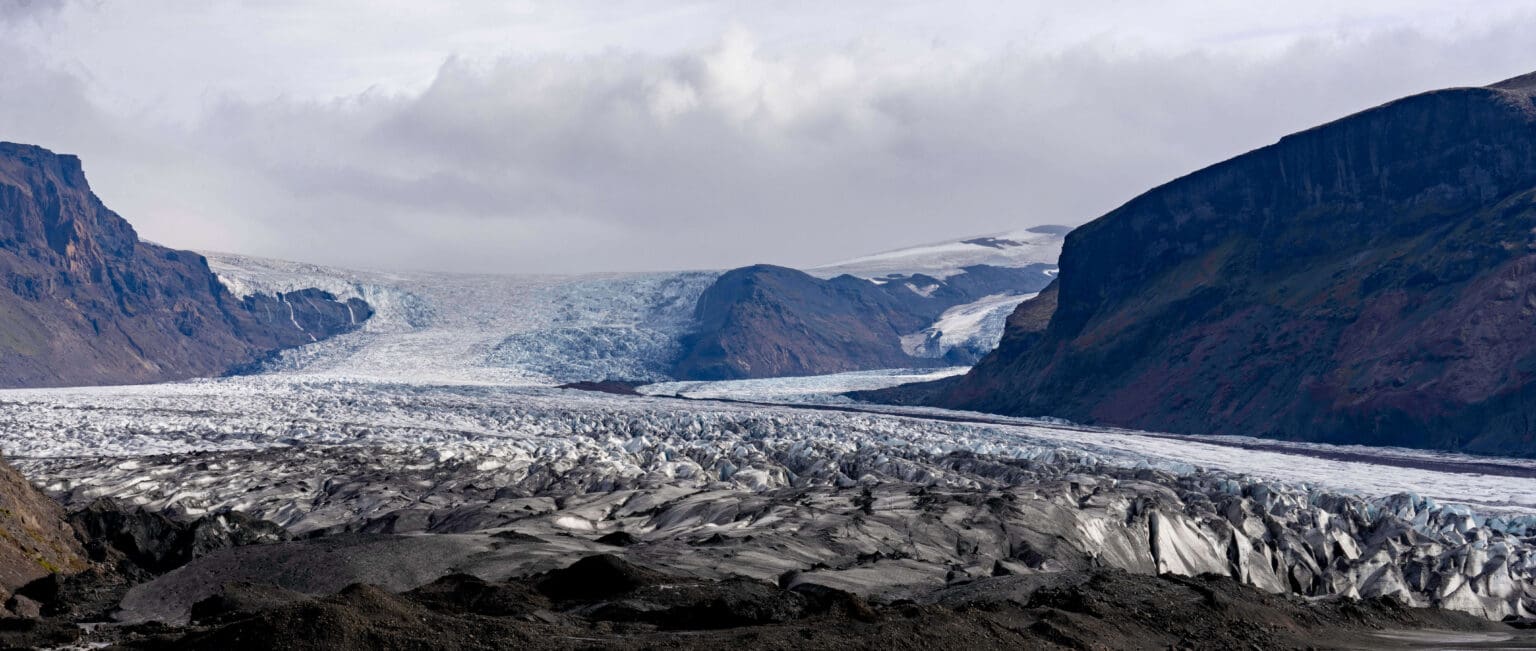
(519, 330)
(335, 455)
(975, 327)
(441, 415)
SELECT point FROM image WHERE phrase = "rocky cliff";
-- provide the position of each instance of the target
(84, 301)
(35, 539)
(1371, 280)
(768, 321)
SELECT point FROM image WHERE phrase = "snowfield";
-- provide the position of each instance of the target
(532, 330)
(1021, 248)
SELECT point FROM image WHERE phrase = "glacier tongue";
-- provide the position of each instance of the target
(973, 327)
(490, 329)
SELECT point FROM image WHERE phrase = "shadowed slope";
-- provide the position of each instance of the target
(1371, 280)
(84, 301)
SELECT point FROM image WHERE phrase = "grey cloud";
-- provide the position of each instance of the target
(15, 9)
(729, 155)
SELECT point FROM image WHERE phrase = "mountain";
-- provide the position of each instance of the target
(86, 302)
(927, 306)
(1371, 280)
(934, 305)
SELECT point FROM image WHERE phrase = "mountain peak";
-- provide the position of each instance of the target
(17, 159)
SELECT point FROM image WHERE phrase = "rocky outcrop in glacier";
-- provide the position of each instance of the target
(765, 321)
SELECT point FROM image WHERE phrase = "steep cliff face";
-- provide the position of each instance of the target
(768, 321)
(1371, 280)
(84, 301)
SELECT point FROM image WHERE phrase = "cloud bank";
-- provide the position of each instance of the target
(735, 150)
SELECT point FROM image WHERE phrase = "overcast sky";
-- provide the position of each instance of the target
(614, 135)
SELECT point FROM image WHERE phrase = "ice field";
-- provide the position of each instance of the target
(442, 415)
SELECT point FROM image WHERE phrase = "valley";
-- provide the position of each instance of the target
(707, 457)
(439, 416)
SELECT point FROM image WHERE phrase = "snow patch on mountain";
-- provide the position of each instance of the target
(1020, 248)
(975, 326)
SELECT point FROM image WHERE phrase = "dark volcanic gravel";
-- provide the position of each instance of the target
(604, 602)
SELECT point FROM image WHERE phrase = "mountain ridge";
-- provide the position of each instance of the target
(1366, 280)
(87, 302)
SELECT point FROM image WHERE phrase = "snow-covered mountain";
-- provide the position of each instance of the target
(1021, 248)
(923, 306)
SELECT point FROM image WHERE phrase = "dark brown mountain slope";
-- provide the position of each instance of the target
(35, 539)
(1371, 280)
(84, 301)
(769, 321)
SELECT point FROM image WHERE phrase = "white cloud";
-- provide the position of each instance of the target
(583, 140)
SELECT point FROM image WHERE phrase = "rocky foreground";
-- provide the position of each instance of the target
(1125, 559)
(605, 602)
(889, 507)
(230, 582)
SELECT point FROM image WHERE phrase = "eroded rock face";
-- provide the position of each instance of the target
(1371, 280)
(84, 301)
(158, 544)
(35, 541)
